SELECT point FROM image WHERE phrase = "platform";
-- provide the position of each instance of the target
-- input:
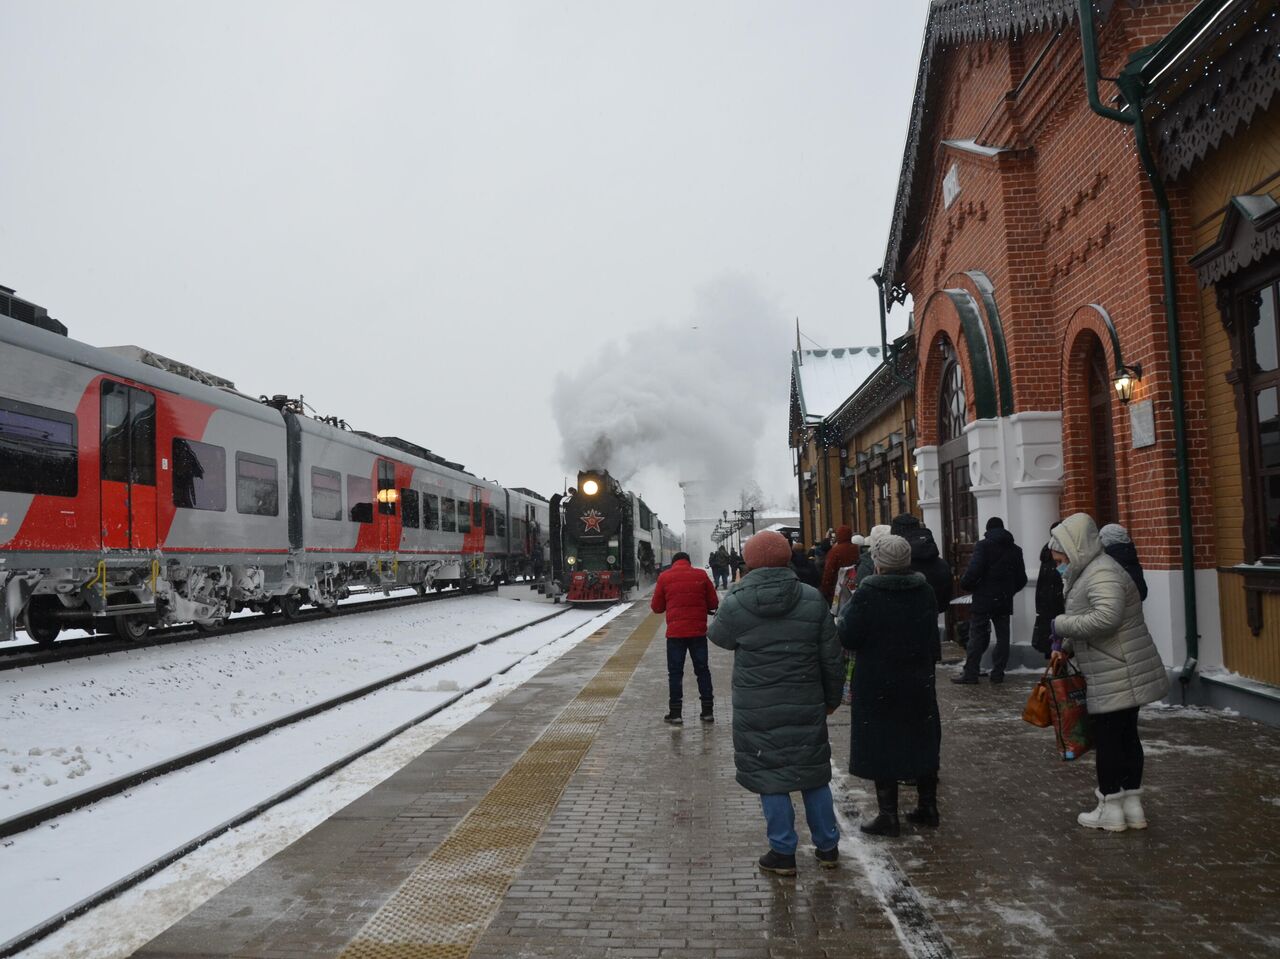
(567, 820)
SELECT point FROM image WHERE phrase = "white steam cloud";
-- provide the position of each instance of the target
(684, 401)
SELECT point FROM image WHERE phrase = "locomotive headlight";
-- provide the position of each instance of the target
(590, 487)
(571, 560)
(388, 495)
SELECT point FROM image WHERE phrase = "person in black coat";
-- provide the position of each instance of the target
(891, 625)
(925, 558)
(1117, 544)
(1049, 600)
(995, 574)
(803, 567)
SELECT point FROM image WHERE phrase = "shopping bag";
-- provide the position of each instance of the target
(1037, 711)
(1069, 712)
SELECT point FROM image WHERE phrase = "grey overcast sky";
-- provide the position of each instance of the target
(420, 214)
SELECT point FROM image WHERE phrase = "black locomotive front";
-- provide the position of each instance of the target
(593, 523)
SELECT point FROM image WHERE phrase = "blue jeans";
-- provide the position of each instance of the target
(697, 650)
(780, 820)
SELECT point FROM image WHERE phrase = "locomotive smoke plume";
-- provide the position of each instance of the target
(683, 401)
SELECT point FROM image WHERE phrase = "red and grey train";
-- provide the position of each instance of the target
(605, 541)
(135, 490)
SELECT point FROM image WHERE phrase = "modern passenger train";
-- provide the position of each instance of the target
(137, 490)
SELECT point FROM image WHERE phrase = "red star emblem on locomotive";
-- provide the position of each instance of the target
(591, 520)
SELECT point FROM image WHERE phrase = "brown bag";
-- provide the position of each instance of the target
(1038, 712)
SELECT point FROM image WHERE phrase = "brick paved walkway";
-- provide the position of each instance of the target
(651, 850)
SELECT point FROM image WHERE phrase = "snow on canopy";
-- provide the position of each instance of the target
(823, 379)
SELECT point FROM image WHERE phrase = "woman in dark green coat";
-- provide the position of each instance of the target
(891, 625)
(787, 678)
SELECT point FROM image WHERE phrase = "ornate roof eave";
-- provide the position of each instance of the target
(954, 22)
(1213, 87)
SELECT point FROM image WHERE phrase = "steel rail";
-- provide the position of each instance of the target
(84, 647)
(52, 923)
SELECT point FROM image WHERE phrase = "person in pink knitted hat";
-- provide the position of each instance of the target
(787, 678)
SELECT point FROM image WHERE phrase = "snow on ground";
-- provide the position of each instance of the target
(59, 863)
(71, 725)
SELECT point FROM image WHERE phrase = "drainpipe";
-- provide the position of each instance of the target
(885, 358)
(1131, 86)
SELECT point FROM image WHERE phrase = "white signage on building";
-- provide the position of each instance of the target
(1142, 424)
(951, 186)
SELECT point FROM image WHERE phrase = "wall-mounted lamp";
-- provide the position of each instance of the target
(1125, 379)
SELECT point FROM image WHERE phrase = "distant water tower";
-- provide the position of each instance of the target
(701, 514)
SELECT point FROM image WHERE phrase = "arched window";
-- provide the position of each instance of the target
(1102, 450)
(952, 405)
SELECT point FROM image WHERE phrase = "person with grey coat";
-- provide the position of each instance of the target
(787, 678)
(1104, 631)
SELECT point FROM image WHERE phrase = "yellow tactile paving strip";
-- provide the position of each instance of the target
(446, 904)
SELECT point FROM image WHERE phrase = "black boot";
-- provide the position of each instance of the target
(885, 824)
(926, 811)
(708, 714)
(775, 862)
(673, 716)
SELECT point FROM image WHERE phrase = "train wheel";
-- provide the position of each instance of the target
(130, 628)
(290, 606)
(43, 633)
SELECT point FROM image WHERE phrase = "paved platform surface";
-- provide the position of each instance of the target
(649, 850)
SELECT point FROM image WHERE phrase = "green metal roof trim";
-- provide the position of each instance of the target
(953, 22)
(975, 340)
(1111, 332)
(987, 290)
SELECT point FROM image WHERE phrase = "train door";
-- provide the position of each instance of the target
(385, 518)
(128, 467)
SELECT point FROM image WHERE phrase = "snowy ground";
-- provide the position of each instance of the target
(75, 724)
(216, 687)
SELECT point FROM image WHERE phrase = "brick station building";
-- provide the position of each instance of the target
(1027, 231)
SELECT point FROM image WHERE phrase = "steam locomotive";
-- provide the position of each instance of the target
(136, 490)
(605, 541)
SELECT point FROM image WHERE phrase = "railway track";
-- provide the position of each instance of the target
(80, 647)
(25, 821)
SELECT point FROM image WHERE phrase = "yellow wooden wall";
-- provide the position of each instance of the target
(1248, 163)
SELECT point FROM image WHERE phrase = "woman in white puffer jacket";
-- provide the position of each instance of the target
(1104, 631)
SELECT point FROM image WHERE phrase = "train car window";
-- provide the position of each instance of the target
(142, 434)
(490, 526)
(114, 448)
(37, 450)
(326, 494)
(199, 475)
(409, 508)
(448, 523)
(359, 499)
(430, 511)
(464, 516)
(257, 485)
(500, 523)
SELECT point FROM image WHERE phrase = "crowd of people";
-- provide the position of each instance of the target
(856, 619)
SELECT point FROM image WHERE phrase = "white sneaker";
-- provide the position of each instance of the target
(1134, 816)
(1109, 814)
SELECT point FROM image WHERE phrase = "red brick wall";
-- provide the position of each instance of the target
(1065, 219)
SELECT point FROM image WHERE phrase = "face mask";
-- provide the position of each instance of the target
(1062, 569)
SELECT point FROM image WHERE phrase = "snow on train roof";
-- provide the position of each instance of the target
(826, 378)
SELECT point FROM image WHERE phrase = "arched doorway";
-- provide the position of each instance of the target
(959, 508)
(1102, 450)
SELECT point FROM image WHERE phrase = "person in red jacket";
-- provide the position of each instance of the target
(686, 595)
(843, 554)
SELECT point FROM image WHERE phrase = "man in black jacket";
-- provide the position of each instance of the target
(996, 573)
(926, 560)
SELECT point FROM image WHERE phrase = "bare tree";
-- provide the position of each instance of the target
(751, 497)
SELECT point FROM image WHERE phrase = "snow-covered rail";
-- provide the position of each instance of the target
(20, 655)
(92, 834)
